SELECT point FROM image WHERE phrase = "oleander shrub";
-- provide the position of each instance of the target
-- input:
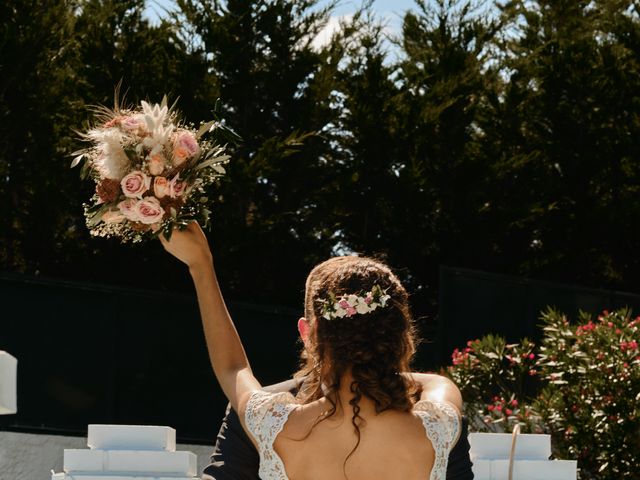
(497, 381)
(581, 384)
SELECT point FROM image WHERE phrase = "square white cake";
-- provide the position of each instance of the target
(494, 446)
(131, 437)
(98, 476)
(8, 384)
(525, 469)
(139, 462)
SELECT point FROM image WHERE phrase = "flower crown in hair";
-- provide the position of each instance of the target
(349, 305)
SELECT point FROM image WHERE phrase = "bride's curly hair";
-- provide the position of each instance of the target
(376, 347)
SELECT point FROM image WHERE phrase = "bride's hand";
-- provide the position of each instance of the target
(189, 245)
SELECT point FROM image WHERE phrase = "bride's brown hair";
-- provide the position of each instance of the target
(377, 347)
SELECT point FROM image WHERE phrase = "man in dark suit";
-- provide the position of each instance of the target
(235, 458)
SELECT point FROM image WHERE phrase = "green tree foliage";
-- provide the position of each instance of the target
(275, 88)
(37, 81)
(365, 134)
(119, 46)
(445, 81)
(501, 136)
(564, 141)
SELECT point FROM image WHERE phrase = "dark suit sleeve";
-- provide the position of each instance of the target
(234, 457)
(459, 467)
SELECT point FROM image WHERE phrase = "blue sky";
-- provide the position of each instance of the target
(391, 10)
(384, 7)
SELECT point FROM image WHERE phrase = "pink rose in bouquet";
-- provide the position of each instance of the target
(132, 123)
(112, 216)
(151, 172)
(160, 187)
(184, 146)
(127, 208)
(176, 188)
(135, 184)
(149, 211)
(156, 164)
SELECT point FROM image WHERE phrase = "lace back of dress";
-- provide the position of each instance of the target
(442, 426)
(265, 416)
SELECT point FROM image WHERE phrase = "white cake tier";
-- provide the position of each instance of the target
(8, 371)
(526, 469)
(496, 446)
(67, 476)
(136, 462)
(132, 437)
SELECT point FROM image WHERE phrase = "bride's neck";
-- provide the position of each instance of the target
(344, 395)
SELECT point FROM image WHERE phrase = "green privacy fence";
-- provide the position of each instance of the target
(472, 304)
(99, 354)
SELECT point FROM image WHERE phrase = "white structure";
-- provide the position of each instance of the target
(128, 452)
(490, 457)
(8, 382)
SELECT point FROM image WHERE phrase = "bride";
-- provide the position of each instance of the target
(359, 414)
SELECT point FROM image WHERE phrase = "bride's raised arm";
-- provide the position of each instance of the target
(229, 361)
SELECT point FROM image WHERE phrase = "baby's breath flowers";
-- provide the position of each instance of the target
(151, 171)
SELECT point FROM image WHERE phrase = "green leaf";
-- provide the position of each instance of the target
(213, 163)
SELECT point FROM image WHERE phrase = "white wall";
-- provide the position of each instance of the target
(26, 456)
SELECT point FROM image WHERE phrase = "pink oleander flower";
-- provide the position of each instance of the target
(135, 184)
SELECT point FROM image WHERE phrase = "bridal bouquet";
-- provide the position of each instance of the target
(151, 172)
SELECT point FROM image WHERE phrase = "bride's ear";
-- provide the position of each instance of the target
(304, 328)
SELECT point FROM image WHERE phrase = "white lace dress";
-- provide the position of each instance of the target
(266, 413)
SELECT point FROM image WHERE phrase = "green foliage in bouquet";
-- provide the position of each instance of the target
(582, 386)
